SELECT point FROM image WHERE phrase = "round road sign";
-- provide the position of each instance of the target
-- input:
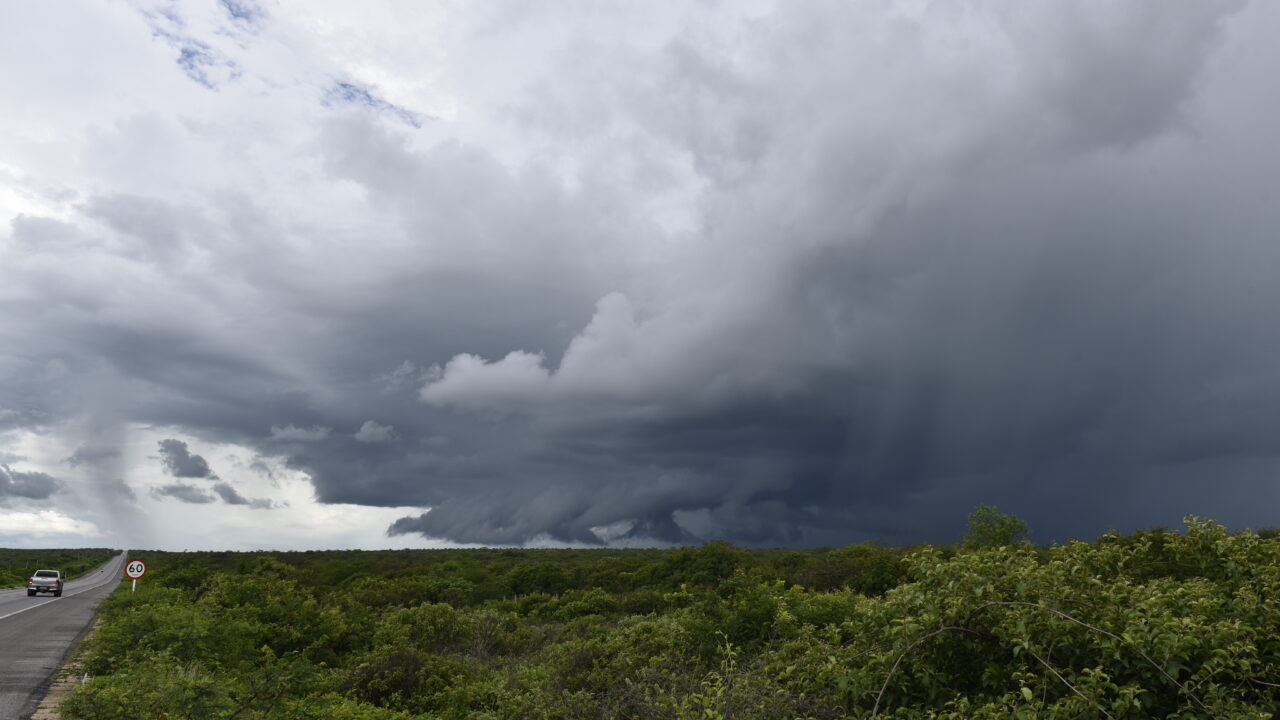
(135, 569)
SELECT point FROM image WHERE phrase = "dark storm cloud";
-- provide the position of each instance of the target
(1032, 327)
(1051, 321)
(180, 462)
(231, 496)
(90, 455)
(33, 485)
(183, 493)
(839, 272)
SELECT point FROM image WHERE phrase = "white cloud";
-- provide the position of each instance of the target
(372, 432)
(513, 383)
(290, 433)
(17, 526)
(615, 357)
(681, 356)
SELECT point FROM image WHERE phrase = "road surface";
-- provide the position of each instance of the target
(37, 632)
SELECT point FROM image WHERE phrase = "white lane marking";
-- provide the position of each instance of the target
(29, 607)
(33, 607)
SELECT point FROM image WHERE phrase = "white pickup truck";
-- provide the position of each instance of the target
(45, 581)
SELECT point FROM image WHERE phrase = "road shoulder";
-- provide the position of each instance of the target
(69, 677)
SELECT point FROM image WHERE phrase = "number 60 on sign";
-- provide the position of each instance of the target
(133, 570)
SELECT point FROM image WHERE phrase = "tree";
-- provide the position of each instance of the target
(988, 527)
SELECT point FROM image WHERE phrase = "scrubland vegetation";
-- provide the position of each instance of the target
(1156, 624)
(17, 565)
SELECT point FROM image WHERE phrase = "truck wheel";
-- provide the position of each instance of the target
(31, 593)
(57, 593)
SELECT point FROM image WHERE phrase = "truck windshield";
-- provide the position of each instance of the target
(46, 573)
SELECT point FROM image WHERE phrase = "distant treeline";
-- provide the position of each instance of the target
(17, 565)
(1153, 624)
(473, 577)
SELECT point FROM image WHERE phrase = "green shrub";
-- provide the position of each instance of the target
(988, 527)
(1153, 624)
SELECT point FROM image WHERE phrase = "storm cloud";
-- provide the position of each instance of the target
(184, 493)
(34, 485)
(231, 496)
(784, 274)
(90, 455)
(180, 462)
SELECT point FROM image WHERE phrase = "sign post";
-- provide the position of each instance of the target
(133, 570)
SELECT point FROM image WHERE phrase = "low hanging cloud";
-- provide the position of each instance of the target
(195, 495)
(181, 462)
(88, 455)
(183, 492)
(231, 496)
(31, 485)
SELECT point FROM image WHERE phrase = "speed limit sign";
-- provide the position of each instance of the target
(135, 569)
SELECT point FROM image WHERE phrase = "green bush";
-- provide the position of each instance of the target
(17, 565)
(988, 527)
(1152, 624)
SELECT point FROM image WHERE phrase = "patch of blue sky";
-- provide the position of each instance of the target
(349, 93)
(203, 64)
(169, 14)
(197, 59)
(245, 11)
(195, 62)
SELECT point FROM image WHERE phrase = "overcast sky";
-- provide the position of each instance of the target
(284, 274)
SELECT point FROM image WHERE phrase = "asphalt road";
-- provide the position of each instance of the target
(36, 634)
